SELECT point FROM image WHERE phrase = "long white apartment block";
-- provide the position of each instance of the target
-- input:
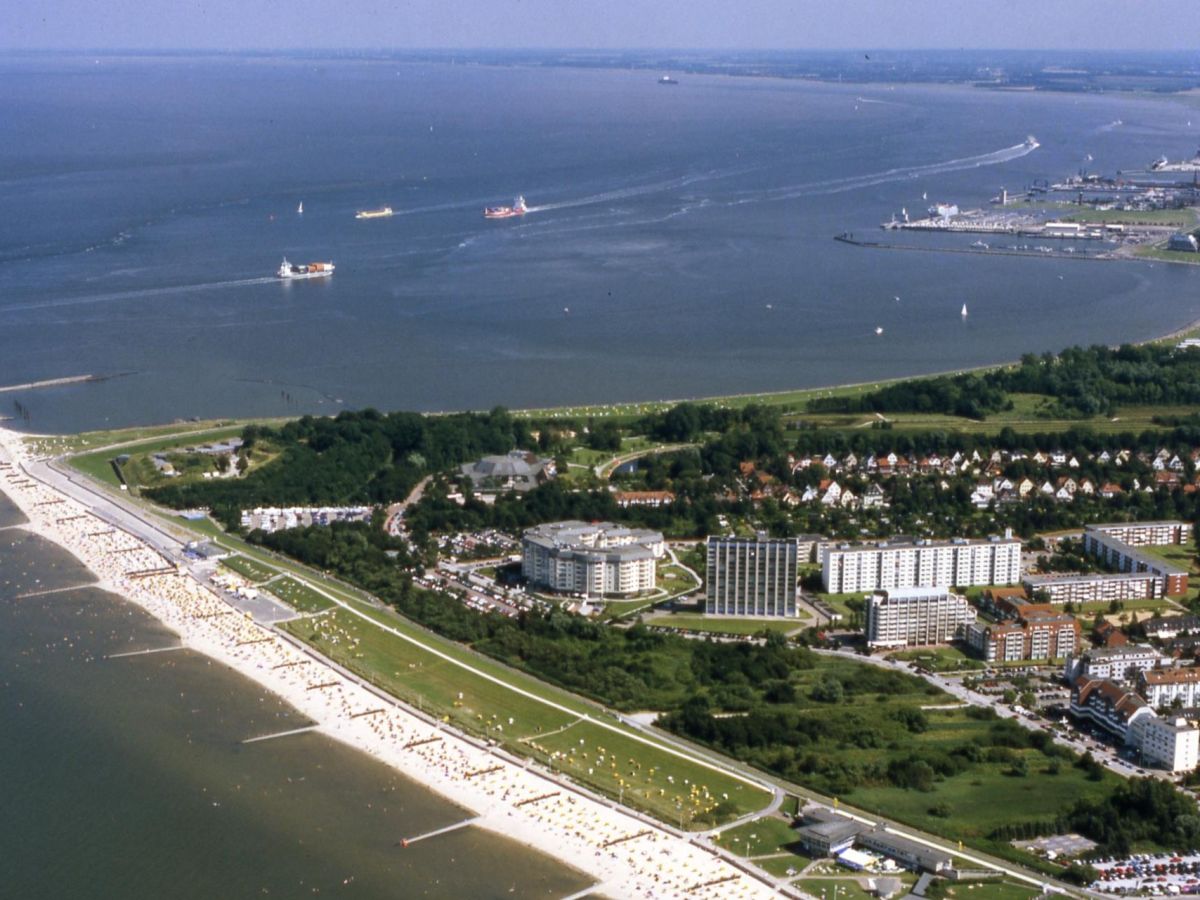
(897, 565)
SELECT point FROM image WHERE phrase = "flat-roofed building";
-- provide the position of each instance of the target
(916, 617)
(1096, 587)
(1118, 545)
(900, 564)
(592, 559)
(1034, 635)
(1141, 534)
(1164, 687)
(905, 852)
(1172, 743)
(810, 547)
(751, 576)
(1122, 663)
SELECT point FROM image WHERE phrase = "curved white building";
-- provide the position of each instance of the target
(593, 559)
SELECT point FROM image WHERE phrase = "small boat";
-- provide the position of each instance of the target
(300, 208)
(879, 329)
(964, 311)
(667, 79)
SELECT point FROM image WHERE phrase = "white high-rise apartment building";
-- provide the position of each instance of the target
(916, 617)
(887, 566)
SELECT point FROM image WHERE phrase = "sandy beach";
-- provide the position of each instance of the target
(624, 854)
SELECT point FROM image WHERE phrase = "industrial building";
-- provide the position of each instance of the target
(900, 564)
(751, 576)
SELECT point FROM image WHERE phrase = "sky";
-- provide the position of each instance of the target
(600, 24)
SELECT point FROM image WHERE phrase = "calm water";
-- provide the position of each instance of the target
(147, 202)
(126, 777)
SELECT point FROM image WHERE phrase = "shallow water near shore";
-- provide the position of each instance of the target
(127, 777)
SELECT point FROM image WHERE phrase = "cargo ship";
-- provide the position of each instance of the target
(312, 270)
(374, 213)
(506, 212)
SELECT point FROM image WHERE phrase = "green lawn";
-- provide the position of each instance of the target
(939, 659)
(846, 888)
(614, 763)
(983, 797)
(766, 835)
(1180, 218)
(1160, 252)
(178, 432)
(298, 595)
(248, 568)
(98, 464)
(724, 625)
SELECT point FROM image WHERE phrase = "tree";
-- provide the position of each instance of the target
(828, 689)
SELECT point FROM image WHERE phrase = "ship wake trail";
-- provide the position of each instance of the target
(656, 187)
(138, 294)
(854, 183)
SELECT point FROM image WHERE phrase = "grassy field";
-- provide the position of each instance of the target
(617, 764)
(985, 796)
(760, 837)
(299, 595)
(1179, 218)
(98, 464)
(1160, 251)
(939, 659)
(185, 432)
(723, 625)
(248, 568)
(675, 580)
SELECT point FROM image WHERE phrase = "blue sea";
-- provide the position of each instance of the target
(679, 243)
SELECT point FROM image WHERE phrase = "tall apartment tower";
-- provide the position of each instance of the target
(751, 576)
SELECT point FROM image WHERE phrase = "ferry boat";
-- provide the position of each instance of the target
(374, 213)
(506, 212)
(312, 270)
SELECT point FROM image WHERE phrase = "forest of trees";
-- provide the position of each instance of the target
(356, 457)
(1082, 382)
